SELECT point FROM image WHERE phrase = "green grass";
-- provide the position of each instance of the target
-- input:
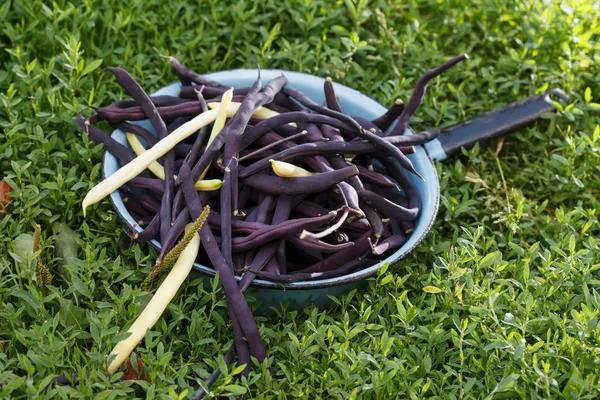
(514, 251)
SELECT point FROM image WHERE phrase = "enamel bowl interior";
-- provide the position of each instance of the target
(352, 102)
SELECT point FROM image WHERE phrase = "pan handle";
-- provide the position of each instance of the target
(493, 124)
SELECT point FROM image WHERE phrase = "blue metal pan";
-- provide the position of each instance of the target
(491, 125)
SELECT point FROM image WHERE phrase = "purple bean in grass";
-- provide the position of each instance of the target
(301, 185)
(139, 95)
(191, 76)
(386, 120)
(419, 92)
(228, 357)
(330, 98)
(345, 269)
(99, 136)
(233, 293)
(387, 207)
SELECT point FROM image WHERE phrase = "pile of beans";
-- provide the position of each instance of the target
(298, 191)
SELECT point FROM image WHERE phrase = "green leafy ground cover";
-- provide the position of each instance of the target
(514, 252)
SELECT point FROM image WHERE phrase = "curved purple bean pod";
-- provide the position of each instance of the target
(262, 150)
(134, 206)
(368, 125)
(396, 172)
(210, 92)
(281, 257)
(226, 233)
(280, 231)
(393, 242)
(310, 209)
(419, 92)
(233, 130)
(308, 103)
(374, 219)
(175, 232)
(351, 266)
(147, 201)
(233, 293)
(386, 120)
(311, 149)
(265, 253)
(135, 90)
(189, 75)
(330, 98)
(316, 245)
(252, 134)
(390, 209)
(99, 136)
(361, 246)
(201, 137)
(375, 178)
(151, 231)
(154, 184)
(392, 150)
(158, 101)
(243, 197)
(272, 266)
(302, 185)
(137, 130)
(413, 140)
